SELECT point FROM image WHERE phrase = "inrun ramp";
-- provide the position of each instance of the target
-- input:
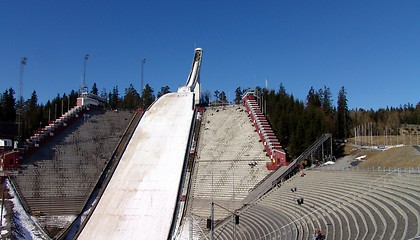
(140, 199)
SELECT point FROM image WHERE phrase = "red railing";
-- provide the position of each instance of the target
(271, 144)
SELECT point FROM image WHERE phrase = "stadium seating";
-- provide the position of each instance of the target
(341, 204)
(229, 162)
(58, 179)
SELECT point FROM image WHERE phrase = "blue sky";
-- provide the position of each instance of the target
(369, 47)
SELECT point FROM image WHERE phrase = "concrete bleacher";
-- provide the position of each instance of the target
(46, 133)
(342, 204)
(58, 179)
(230, 161)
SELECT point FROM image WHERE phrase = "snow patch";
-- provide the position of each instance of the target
(26, 226)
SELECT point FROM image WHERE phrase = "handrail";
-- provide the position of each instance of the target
(338, 200)
(51, 128)
(183, 175)
(278, 175)
(197, 130)
(410, 170)
(260, 126)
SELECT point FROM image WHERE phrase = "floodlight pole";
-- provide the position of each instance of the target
(84, 69)
(212, 221)
(83, 87)
(23, 62)
(234, 226)
(143, 61)
(234, 219)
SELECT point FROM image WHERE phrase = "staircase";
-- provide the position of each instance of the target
(271, 144)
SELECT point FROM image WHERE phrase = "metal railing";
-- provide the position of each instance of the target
(277, 176)
(414, 170)
(355, 193)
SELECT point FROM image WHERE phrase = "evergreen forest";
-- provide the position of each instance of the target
(297, 123)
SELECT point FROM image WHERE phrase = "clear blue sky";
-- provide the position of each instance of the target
(369, 47)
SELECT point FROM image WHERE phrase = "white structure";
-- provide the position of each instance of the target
(87, 99)
(193, 81)
(140, 199)
(6, 143)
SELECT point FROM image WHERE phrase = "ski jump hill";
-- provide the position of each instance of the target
(141, 197)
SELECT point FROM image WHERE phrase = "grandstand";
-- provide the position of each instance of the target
(230, 161)
(229, 165)
(323, 203)
(57, 180)
(182, 166)
(340, 204)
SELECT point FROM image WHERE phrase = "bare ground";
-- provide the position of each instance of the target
(398, 157)
(386, 140)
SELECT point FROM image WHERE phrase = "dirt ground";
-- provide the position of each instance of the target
(397, 157)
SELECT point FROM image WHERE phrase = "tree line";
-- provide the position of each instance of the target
(297, 123)
(34, 115)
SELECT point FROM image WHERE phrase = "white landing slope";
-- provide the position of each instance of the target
(140, 199)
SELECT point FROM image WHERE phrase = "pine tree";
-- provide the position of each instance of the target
(147, 96)
(8, 106)
(205, 98)
(342, 116)
(327, 102)
(103, 93)
(33, 118)
(1, 107)
(114, 98)
(313, 98)
(73, 98)
(94, 89)
(238, 95)
(217, 96)
(223, 98)
(131, 98)
(163, 91)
